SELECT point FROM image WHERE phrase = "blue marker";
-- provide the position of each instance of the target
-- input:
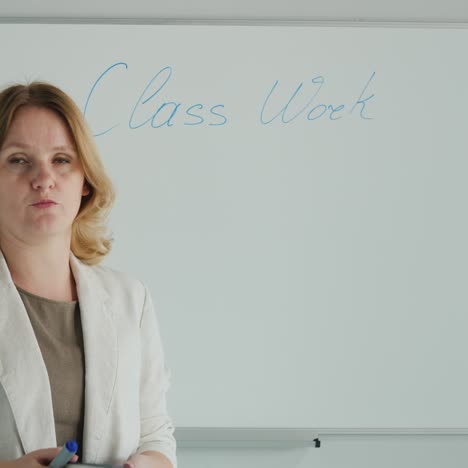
(65, 455)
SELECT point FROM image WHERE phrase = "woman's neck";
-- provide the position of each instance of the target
(42, 270)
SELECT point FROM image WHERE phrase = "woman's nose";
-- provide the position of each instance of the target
(43, 178)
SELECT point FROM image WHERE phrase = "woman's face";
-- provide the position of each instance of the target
(38, 161)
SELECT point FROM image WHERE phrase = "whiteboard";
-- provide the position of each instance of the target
(296, 199)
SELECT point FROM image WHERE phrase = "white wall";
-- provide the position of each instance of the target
(419, 10)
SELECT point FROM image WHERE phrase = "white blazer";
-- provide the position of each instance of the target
(125, 377)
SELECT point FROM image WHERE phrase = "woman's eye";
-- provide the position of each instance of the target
(18, 161)
(62, 160)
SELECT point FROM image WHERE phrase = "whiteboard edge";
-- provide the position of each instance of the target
(302, 434)
(317, 22)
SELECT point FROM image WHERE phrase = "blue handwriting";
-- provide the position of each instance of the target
(315, 110)
(167, 113)
(151, 109)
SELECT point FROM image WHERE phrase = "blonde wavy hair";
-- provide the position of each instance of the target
(90, 241)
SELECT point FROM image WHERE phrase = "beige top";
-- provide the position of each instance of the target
(57, 326)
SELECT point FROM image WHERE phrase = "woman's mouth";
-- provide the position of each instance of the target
(44, 204)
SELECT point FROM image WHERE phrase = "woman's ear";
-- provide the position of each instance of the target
(86, 189)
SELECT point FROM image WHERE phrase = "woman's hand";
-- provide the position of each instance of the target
(36, 459)
(149, 459)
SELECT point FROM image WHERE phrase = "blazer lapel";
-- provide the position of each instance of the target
(23, 373)
(101, 355)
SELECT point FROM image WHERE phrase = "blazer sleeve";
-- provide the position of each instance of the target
(156, 428)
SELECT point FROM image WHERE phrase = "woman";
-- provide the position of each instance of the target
(80, 351)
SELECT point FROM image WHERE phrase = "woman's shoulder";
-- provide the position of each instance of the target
(123, 293)
(113, 275)
(114, 281)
